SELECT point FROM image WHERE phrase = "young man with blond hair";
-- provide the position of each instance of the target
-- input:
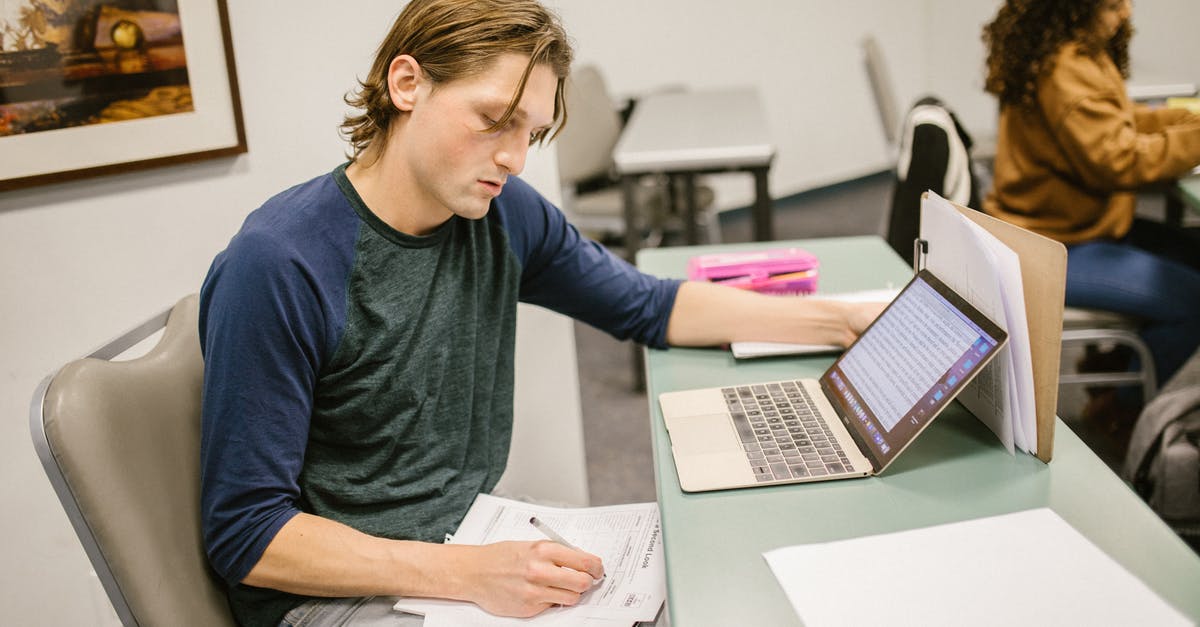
(358, 335)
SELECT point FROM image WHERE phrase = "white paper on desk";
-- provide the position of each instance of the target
(988, 274)
(627, 538)
(1025, 568)
(750, 350)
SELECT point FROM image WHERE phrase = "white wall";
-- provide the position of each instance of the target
(803, 56)
(80, 261)
(1164, 50)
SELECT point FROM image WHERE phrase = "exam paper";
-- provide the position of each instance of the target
(1028, 568)
(627, 538)
(749, 350)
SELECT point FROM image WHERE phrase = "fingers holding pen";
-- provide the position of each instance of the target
(573, 569)
(524, 578)
(593, 566)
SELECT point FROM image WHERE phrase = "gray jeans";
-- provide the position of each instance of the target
(371, 612)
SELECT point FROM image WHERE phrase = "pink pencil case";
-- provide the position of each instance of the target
(773, 271)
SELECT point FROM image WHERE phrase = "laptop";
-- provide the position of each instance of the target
(879, 395)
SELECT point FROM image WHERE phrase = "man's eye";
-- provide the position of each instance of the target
(536, 137)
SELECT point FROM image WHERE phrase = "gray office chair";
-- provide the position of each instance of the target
(592, 197)
(1091, 327)
(120, 442)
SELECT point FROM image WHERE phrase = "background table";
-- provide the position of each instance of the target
(956, 470)
(689, 133)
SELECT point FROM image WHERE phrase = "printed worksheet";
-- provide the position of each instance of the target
(627, 538)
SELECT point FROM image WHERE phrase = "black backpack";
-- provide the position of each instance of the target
(934, 155)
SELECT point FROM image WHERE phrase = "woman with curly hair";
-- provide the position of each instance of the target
(1071, 151)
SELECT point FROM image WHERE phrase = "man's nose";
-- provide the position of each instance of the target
(512, 153)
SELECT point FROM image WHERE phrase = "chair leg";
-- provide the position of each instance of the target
(1144, 377)
(633, 229)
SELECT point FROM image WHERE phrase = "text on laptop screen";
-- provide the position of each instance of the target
(909, 364)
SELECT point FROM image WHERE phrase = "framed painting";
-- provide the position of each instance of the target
(92, 87)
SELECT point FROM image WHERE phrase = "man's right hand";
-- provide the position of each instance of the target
(524, 578)
(315, 556)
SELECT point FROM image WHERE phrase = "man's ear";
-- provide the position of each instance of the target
(403, 78)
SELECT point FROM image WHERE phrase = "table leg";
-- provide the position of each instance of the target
(672, 208)
(764, 229)
(633, 240)
(689, 209)
(639, 367)
(633, 234)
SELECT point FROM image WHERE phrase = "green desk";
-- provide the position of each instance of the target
(956, 470)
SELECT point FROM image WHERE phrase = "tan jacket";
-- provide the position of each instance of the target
(1067, 168)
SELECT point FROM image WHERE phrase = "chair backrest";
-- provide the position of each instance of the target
(933, 155)
(120, 442)
(585, 146)
(881, 88)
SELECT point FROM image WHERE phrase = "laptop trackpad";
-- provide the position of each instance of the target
(710, 433)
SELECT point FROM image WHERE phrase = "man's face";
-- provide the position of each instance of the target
(457, 167)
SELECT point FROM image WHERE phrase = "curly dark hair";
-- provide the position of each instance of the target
(1026, 34)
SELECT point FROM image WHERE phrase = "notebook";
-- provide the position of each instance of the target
(856, 419)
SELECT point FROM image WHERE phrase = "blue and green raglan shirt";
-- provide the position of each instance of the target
(365, 375)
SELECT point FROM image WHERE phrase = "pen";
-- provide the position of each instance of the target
(553, 535)
(550, 533)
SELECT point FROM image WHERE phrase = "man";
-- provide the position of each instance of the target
(358, 334)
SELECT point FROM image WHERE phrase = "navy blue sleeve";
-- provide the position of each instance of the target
(568, 273)
(269, 319)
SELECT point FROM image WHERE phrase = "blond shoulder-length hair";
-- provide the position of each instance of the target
(454, 39)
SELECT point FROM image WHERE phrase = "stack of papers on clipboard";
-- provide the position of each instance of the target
(1017, 278)
(627, 538)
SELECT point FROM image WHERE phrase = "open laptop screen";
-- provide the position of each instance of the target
(911, 362)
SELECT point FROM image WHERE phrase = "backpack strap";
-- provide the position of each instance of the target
(956, 181)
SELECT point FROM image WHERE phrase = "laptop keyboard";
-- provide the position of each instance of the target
(782, 433)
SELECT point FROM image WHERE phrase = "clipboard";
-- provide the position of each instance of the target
(1044, 282)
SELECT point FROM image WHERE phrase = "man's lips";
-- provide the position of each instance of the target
(492, 186)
